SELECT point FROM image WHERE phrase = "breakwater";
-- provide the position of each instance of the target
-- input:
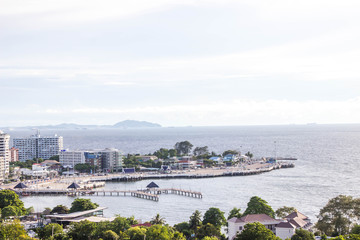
(226, 173)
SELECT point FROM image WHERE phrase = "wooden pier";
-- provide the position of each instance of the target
(147, 194)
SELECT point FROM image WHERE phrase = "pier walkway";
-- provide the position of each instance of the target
(144, 194)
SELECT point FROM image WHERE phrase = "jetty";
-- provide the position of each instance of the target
(147, 194)
(225, 173)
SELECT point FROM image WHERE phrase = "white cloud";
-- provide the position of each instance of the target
(235, 112)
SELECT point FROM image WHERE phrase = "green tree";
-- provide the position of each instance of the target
(214, 216)
(235, 212)
(183, 227)
(256, 231)
(49, 230)
(172, 152)
(83, 167)
(355, 229)
(210, 238)
(110, 235)
(82, 204)
(257, 205)
(157, 220)
(56, 158)
(195, 220)
(338, 215)
(284, 211)
(183, 148)
(10, 198)
(158, 232)
(123, 236)
(10, 211)
(136, 233)
(208, 230)
(121, 224)
(84, 230)
(301, 234)
(162, 153)
(60, 209)
(200, 151)
(234, 152)
(13, 230)
(249, 155)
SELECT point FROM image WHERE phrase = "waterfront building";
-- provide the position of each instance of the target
(14, 154)
(71, 158)
(107, 160)
(94, 159)
(111, 159)
(37, 146)
(4, 155)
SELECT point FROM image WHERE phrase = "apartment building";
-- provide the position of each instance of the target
(4, 155)
(37, 146)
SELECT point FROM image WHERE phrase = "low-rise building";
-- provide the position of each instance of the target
(71, 158)
(283, 228)
(236, 225)
(294, 221)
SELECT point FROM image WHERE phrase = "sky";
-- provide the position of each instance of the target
(179, 63)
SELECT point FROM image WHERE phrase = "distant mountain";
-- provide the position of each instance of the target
(135, 124)
(70, 126)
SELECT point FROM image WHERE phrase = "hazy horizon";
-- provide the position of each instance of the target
(179, 63)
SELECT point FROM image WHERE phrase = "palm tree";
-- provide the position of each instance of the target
(158, 220)
(195, 220)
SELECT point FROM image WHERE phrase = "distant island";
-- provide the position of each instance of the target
(69, 126)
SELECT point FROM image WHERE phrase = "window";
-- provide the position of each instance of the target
(240, 228)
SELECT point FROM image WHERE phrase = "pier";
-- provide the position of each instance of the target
(144, 194)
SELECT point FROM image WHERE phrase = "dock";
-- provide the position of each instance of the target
(144, 194)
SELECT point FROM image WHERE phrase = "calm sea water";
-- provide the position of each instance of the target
(328, 165)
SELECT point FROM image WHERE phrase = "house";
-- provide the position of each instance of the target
(236, 225)
(283, 228)
(294, 220)
(230, 158)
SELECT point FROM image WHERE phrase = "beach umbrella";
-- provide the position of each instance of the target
(152, 185)
(74, 186)
(20, 185)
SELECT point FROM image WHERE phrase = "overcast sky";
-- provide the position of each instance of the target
(179, 63)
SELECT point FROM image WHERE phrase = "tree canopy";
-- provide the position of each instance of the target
(13, 230)
(82, 204)
(195, 220)
(60, 209)
(214, 216)
(157, 220)
(10, 198)
(256, 231)
(235, 212)
(284, 211)
(257, 205)
(337, 217)
(183, 148)
(302, 234)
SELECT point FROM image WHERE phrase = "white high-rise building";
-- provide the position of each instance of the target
(37, 146)
(4, 155)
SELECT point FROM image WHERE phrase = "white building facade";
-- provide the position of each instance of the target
(4, 155)
(71, 158)
(37, 146)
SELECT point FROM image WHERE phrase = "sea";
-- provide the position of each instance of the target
(327, 165)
